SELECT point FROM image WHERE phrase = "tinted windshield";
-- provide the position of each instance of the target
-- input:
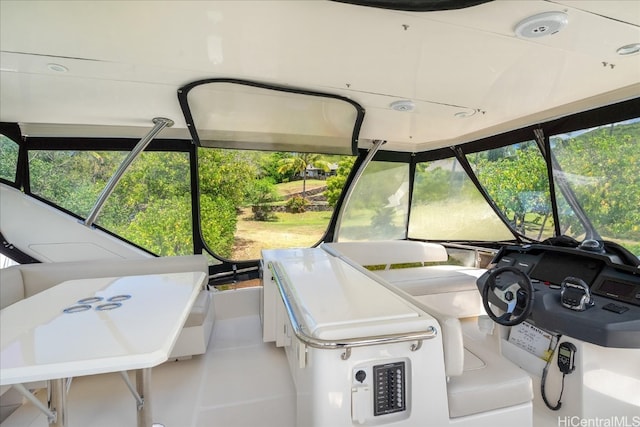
(601, 167)
(515, 177)
(596, 181)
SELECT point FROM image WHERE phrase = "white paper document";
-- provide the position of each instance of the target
(532, 339)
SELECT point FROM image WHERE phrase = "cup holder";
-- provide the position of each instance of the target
(85, 304)
(77, 308)
(108, 306)
(90, 300)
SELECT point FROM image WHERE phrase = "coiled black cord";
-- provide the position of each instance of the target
(544, 379)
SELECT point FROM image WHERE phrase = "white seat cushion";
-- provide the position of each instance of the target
(433, 279)
(488, 382)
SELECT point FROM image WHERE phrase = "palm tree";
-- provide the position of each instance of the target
(298, 163)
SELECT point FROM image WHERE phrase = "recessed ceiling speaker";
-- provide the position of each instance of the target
(541, 25)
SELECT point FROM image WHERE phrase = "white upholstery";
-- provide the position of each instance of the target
(452, 343)
(389, 252)
(417, 281)
(433, 279)
(448, 289)
(488, 381)
(459, 304)
(41, 276)
(480, 379)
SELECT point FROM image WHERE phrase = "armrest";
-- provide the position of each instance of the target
(452, 342)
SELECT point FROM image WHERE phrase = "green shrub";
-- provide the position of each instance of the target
(297, 204)
(261, 194)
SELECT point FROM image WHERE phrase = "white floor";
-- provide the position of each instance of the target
(240, 382)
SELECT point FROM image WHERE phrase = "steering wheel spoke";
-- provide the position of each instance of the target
(509, 296)
(518, 294)
(505, 317)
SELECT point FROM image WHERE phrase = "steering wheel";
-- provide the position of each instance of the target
(514, 292)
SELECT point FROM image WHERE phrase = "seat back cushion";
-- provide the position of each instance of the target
(388, 252)
(38, 277)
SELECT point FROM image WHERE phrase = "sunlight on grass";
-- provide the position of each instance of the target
(287, 231)
(286, 188)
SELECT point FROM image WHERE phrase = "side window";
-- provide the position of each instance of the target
(249, 200)
(447, 206)
(252, 200)
(8, 158)
(379, 205)
(72, 180)
(150, 206)
(515, 177)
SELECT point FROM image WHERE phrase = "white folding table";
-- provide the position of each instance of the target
(94, 326)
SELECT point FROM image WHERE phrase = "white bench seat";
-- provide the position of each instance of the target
(448, 289)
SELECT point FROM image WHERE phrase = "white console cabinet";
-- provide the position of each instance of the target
(359, 354)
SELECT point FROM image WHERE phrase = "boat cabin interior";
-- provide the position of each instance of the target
(328, 213)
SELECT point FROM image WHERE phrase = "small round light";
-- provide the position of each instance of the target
(629, 49)
(57, 68)
(403, 106)
(541, 25)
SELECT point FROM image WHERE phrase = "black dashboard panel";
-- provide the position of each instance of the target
(554, 267)
(614, 318)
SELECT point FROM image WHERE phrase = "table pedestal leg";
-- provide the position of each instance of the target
(143, 387)
(59, 402)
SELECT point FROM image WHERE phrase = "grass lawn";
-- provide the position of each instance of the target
(288, 231)
(287, 188)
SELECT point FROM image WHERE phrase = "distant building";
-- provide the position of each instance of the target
(319, 173)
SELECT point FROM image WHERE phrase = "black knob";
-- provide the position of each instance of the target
(361, 375)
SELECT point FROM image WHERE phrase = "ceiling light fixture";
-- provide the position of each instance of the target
(541, 25)
(403, 106)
